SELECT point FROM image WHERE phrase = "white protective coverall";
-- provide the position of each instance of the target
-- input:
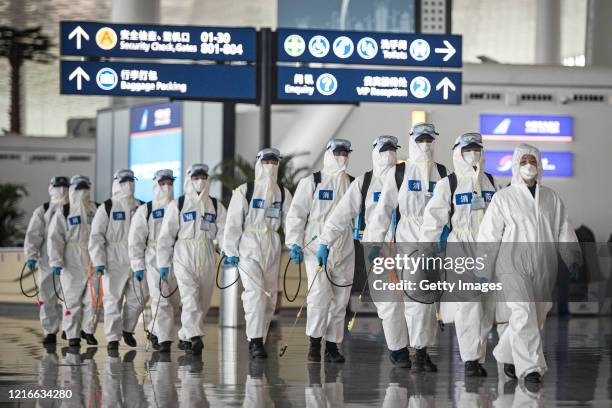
(420, 177)
(35, 247)
(343, 214)
(67, 247)
(185, 242)
(527, 271)
(251, 233)
(142, 248)
(309, 210)
(108, 247)
(472, 325)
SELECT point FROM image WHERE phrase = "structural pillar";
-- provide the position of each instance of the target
(599, 31)
(548, 32)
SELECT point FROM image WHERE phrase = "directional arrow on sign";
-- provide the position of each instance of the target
(79, 33)
(445, 84)
(449, 50)
(80, 74)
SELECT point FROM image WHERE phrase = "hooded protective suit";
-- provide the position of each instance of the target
(472, 325)
(251, 233)
(142, 248)
(348, 209)
(309, 210)
(35, 247)
(108, 247)
(420, 177)
(515, 217)
(67, 247)
(185, 242)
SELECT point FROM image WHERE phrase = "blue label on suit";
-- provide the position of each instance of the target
(258, 203)
(118, 216)
(488, 195)
(76, 220)
(432, 185)
(159, 213)
(326, 194)
(463, 198)
(210, 217)
(414, 185)
(376, 196)
(189, 216)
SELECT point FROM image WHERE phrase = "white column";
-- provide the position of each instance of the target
(599, 32)
(548, 32)
(135, 11)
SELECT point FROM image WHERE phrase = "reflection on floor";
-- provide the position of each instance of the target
(578, 353)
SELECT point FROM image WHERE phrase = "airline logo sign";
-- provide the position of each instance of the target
(353, 47)
(555, 164)
(538, 128)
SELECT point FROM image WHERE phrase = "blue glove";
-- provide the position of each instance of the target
(139, 275)
(99, 270)
(482, 280)
(374, 253)
(56, 270)
(31, 264)
(296, 254)
(163, 273)
(231, 260)
(574, 271)
(322, 254)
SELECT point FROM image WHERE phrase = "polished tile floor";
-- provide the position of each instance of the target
(578, 352)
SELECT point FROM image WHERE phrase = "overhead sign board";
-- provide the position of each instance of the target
(365, 85)
(91, 39)
(369, 48)
(181, 81)
(540, 128)
(555, 164)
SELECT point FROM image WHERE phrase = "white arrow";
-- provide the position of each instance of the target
(80, 74)
(449, 50)
(79, 33)
(445, 83)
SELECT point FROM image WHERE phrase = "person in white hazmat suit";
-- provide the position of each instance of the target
(35, 251)
(401, 208)
(460, 201)
(529, 221)
(108, 248)
(69, 259)
(142, 246)
(186, 245)
(365, 190)
(256, 212)
(314, 199)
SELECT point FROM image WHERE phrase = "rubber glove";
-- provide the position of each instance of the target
(322, 254)
(164, 272)
(139, 275)
(99, 269)
(56, 270)
(574, 272)
(231, 260)
(31, 264)
(296, 254)
(374, 253)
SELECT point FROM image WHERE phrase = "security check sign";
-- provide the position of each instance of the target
(369, 48)
(94, 39)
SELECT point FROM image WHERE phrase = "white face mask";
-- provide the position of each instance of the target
(425, 147)
(269, 170)
(199, 185)
(528, 172)
(58, 193)
(472, 157)
(388, 158)
(341, 161)
(81, 196)
(166, 190)
(127, 188)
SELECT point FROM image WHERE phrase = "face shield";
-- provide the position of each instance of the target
(335, 159)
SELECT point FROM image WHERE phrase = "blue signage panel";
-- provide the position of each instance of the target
(364, 85)
(156, 142)
(92, 39)
(354, 47)
(182, 81)
(543, 128)
(555, 164)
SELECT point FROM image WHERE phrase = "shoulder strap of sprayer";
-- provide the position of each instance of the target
(46, 207)
(400, 170)
(367, 179)
(66, 210)
(149, 209)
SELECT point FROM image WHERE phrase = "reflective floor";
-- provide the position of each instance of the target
(578, 351)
